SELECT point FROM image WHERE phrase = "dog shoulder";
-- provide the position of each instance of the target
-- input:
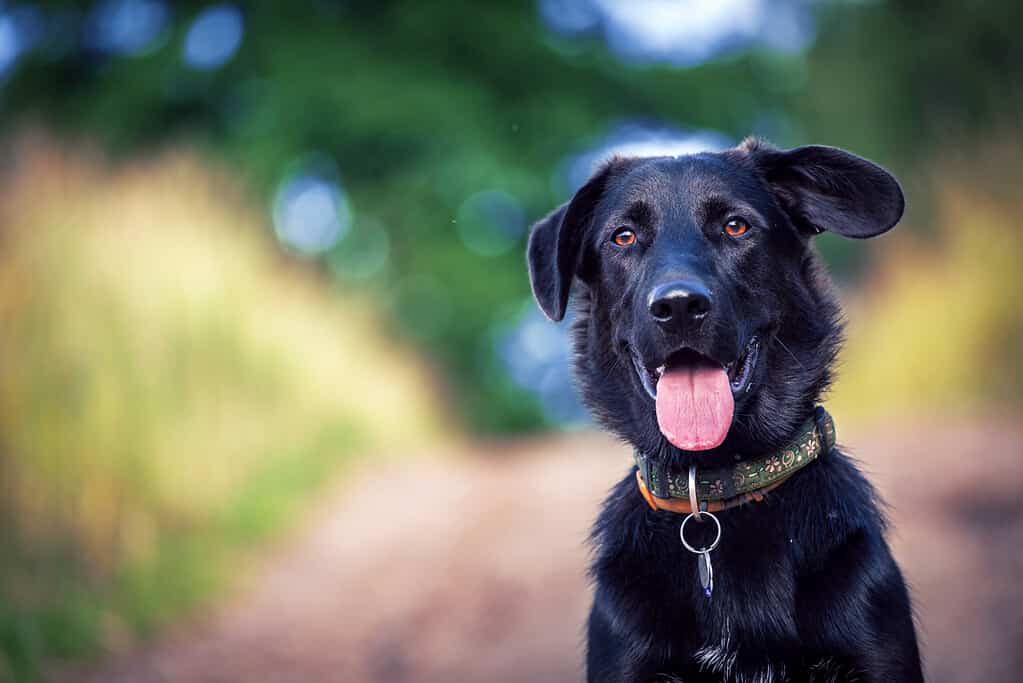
(831, 505)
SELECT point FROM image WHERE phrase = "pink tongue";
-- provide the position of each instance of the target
(694, 406)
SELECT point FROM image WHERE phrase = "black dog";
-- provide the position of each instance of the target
(705, 334)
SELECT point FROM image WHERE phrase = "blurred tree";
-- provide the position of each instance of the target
(423, 105)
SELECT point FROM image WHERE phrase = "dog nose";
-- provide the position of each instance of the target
(679, 303)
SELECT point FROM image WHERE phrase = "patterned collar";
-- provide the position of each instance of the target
(747, 480)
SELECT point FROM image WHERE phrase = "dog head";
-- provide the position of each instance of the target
(704, 320)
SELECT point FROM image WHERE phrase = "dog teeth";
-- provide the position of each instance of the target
(659, 371)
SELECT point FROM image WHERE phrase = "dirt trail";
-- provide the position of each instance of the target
(473, 570)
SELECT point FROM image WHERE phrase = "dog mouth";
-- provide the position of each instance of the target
(695, 395)
(739, 371)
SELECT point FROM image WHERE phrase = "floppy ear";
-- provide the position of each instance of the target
(555, 245)
(826, 188)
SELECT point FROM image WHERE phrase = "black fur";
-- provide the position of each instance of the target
(806, 587)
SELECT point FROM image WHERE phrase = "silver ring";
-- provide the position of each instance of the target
(682, 534)
(694, 503)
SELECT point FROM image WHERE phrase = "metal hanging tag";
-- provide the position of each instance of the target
(703, 565)
(706, 573)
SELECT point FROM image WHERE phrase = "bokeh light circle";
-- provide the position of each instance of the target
(214, 37)
(634, 138)
(126, 27)
(311, 212)
(490, 223)
(684, 32)
(537, 355)
(362, 253)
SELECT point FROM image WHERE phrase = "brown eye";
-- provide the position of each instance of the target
(736, 227)
(624, 238)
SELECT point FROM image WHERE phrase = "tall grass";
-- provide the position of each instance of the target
(938, 328)
(171, 387)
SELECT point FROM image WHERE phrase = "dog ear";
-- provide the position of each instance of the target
(826, 188)
(555, 244)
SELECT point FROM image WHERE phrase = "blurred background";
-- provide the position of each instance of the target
(275, 401)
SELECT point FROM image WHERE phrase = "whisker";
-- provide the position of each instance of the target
(789, 351)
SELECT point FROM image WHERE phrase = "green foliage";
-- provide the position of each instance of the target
(424, 104)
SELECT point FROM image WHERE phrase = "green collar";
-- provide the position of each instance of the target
(747, 478)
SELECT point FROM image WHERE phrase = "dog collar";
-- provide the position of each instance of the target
(748, 480)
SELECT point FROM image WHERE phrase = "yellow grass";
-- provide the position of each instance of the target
(158, 355)
(938, 328)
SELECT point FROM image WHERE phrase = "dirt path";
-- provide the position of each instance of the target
(473, 570)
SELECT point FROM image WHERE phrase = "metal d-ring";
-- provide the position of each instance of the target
(694, 503)
(717, 537)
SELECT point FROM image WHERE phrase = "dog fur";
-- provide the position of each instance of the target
(806, 586)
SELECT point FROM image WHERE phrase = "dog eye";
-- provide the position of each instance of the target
(624, 238)
(736, 227)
